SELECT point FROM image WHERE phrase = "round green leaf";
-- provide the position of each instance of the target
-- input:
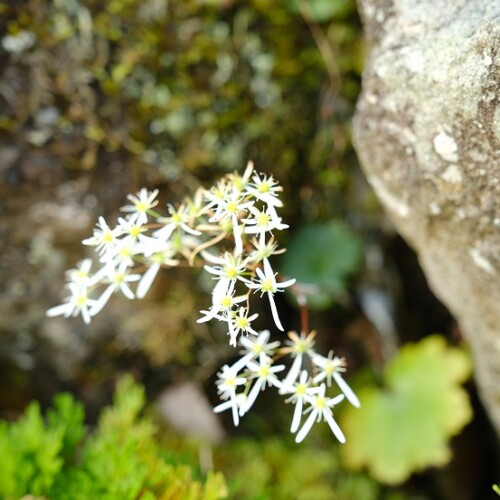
(321, 257)
(406, 427)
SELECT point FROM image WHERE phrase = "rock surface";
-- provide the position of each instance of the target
(427, 132)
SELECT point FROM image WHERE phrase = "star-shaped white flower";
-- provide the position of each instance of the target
(264, 374)
(104, 238)
(77, 303)
(332, 367)
(179, 218)
(297, 347)
(267, 284)
(226, 387)
(265, 189)
(299, 391)
(227, 269)
(142, 202)
(240, 322)
(321, 409)
(254, 347)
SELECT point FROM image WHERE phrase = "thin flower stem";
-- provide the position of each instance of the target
(304, 315)
(207, 244)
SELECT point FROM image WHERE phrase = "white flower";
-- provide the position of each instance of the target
(226, 387)
(142, 202)
(77, 303)
(265, 189)
(239, 182)
(264, 250)
(299, 392)
(321, 410)
(223, 305)
(263, 222)
(80, 275)
(331, 367)
(227, 210)
(163, 257)
(228, 270)
(118, 280)
(254, 347)
(264, 374)
(179, 218)
(123, 253)
(241, 322)
(267, 284)
(131, 228)
(297, 346)
(104, 239)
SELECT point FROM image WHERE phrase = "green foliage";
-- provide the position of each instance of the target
(122, 459)
(274, 469)
(406, 426)
(496, 489)
(323, 255)
(183, 85)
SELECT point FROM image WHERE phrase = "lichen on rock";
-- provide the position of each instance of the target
(427, 135)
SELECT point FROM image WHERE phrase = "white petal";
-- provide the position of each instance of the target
(237, 236)
(127, 291)
(274, 312)
(268, 270)
(294, 370)
(297, 415)
(223, 406)
(334, 426)
(220, 290)
(85, 315)
(147, 280)
(348, 392)
(306, 427)
(236, 417)
(164, 233)
(284, 284)
(101, 301)
(243, 361)
(65, 309)
(252, 395)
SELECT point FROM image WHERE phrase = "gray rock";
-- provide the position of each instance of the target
(427, 132)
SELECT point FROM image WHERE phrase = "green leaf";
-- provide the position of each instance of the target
(406, 427)
(323, 255)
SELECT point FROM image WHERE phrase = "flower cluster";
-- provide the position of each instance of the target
(241, 383)
(230, 231)
(230, 227)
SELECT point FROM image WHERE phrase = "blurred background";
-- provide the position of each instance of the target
(100, 98)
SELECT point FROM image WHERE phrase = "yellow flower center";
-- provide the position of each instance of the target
(242, 322)
(108, 237)
(301, 389)
(267, 286)
(81, 300)
(320, 403)
(264, 187)
(263, 219)
(81, 275)
(135, 231)
(231, 272)
(226, 301)
(232, 207)
(141, 206)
